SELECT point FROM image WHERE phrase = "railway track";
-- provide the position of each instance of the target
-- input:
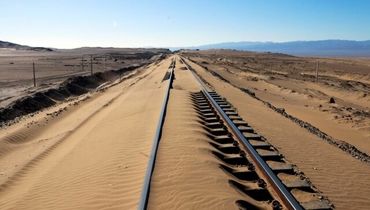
(258, 170)
(153, 154)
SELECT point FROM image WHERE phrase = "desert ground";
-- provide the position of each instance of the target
(289, 83)
(90, 149)
(327, 166)
(53, 67)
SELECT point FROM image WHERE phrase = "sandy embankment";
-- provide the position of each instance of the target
(92, 156)
(339, 176)
(289, 83)
(309, 102)
(186, 174)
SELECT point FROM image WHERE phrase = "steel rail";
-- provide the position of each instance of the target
(143, 204)
(287, 198)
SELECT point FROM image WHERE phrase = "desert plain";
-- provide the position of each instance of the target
(87, 143)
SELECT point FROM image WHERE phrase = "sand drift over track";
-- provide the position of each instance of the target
(242, 164)
(171, 136)
(319, 161)
(90, 156)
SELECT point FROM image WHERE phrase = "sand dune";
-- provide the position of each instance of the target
(91, 152)
(92, 157)
(338, 175)
(187, 175)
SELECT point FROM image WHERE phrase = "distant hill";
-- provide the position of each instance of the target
(10, 45)
(304, 48)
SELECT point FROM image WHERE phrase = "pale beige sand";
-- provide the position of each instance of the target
(186, 174)
(93, 157)
(300, 105)
(342, 178)
(308, 101)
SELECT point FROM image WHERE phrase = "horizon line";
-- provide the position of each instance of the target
(190, 46)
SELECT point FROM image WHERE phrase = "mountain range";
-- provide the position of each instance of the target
(301, 48)
(326, 48)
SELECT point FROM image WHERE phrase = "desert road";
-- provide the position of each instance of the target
(173, 135)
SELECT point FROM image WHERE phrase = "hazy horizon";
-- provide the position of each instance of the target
(144, 23)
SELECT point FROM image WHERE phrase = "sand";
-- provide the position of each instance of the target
(52, 68)
(280, 80)
(339, 176)
(187, 175)
(93, 156)
(91, 152)
(303, 100)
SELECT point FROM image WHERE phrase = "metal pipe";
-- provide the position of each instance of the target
(34, 74)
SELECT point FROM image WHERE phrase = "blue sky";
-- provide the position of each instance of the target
(166, 23)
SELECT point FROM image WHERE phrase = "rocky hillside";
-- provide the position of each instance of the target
(10, 45)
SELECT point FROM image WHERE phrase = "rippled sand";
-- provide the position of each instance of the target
(93, 157)
(344, 179)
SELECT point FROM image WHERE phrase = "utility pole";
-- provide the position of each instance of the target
(82, 64)
(91, 64)
(317, 71)
(120, 76)
(34, 74)
(105, 62)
